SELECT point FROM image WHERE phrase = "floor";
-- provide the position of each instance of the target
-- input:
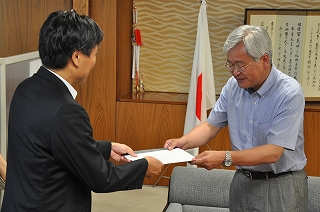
(147, 199)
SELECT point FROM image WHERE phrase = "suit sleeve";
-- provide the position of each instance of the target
(79, 154)
(104, 147)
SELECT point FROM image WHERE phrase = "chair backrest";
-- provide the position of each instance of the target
(198, 186)
(313, 194)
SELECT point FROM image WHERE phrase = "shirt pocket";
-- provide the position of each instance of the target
(262, 131)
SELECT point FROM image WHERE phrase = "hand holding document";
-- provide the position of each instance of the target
(164, 155)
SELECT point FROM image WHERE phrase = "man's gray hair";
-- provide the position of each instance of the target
(255, 38)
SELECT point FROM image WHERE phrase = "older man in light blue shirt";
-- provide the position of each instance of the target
(271, 115)
(264, 110)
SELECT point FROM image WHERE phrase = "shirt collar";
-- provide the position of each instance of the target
(69, 86)
(268, 83)
(266, 86)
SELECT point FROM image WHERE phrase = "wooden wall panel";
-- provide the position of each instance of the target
(220, 142)
(148, 126)
(312, 142)
(21, 22)
(98, 94)
(124, 47)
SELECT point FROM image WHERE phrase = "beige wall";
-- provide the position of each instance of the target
(169, 31)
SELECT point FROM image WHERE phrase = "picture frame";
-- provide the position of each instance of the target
(295, 35)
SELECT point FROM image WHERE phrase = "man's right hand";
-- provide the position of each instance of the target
(154, 166)
(175, 142)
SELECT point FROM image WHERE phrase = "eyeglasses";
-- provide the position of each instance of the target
(232, 67)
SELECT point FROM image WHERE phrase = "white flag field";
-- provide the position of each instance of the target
(202, 89)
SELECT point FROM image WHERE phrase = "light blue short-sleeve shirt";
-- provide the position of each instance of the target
(272, 115)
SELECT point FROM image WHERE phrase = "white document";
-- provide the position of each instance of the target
(165, 156)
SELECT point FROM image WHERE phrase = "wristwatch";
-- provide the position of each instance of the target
(228, 160)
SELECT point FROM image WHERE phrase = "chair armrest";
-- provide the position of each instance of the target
(173, 207)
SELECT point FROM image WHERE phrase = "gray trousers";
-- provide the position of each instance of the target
(284, 193)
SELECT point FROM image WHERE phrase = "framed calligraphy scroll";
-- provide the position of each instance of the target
(295, 35)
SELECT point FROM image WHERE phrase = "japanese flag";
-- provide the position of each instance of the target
(202, 89)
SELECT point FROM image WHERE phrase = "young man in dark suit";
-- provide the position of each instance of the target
(53, 161)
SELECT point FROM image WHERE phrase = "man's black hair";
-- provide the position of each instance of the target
(65, 32)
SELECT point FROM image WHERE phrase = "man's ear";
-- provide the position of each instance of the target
(75, 58)
(266, 60)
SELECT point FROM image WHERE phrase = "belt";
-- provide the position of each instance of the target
(261, 175)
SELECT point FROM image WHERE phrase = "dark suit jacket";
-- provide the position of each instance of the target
(53, 161)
